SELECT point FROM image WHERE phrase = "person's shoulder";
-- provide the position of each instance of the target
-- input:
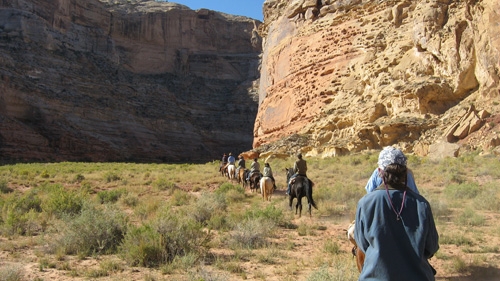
(372, 196)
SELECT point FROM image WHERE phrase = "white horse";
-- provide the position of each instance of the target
(231, 170)
(266, 188)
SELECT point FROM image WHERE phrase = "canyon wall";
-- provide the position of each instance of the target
(350, 75)
(90, 80)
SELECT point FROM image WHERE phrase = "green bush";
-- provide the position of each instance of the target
(59, 201)
(111, 177)
(19, 213)
(110, 196)
(270, 213)
(462, 191)
(93, 231)
(332, 247)
(163, 184)
(4, 188)
(207, 205)
(251, 233)
(78, 178)
(469, 217)
(226, 187)
(180, 197)
(160, 242)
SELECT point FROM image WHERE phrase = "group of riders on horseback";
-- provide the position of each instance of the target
(299, 169)
(247, 175)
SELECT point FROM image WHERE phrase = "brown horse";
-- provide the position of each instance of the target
(241, 177)
(254, 181)
(360, 256)
(223, 170)
(300, 187)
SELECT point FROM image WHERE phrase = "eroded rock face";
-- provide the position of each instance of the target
(356, 75)
(125, 81)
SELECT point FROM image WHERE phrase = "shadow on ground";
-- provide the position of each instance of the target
(478, 273)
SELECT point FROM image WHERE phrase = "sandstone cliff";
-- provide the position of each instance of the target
(124, 81)
(348, 75)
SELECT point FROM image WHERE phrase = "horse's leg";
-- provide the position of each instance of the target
(299, 205)
(290, 198)
(309, 209)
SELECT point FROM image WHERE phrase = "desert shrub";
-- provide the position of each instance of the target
(488, 198)
(129, 200)
(462, 191)
(332, 247)
(111, 176)
(78, 178)
(469, 217)
(226, 187)
(11, 273)
(180, 198)
(163, 184)
(207, 206)
(269, 213)
(183, 263)
(458, 265)
(170, 236)
(3, 187)
(455, 239)
(142, 247)
(233, 193)
(251, 233)
(305, 230)
(20, 212)
(94, 230)
(59, 201)
(110, 196)
(45, 174)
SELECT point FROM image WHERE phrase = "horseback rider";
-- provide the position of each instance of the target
(223, 163)
(254, 168)
(231, 160)
(268, 172)
(241, 164)
(300, 169)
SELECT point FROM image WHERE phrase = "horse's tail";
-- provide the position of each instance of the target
(309, 196)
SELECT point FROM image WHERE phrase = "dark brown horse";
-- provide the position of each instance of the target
(255, 181)
(300, 187)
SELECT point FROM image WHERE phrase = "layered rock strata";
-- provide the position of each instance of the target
(89, 80)
(352, 75)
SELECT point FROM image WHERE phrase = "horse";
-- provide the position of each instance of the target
(241, 177)
(360, 256)
(266, 188)
(254, 181)
(231, 171)
(223, 170)
(300, 187)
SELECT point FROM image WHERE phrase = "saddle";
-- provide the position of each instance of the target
(295, 178)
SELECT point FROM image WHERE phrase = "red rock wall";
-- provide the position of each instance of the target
(356, 75)
(137, 81)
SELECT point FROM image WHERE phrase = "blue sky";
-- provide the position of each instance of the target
(249, 8)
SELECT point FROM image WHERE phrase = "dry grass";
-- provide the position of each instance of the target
(234, 235)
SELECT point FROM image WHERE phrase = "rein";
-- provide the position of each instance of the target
(398, 213)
